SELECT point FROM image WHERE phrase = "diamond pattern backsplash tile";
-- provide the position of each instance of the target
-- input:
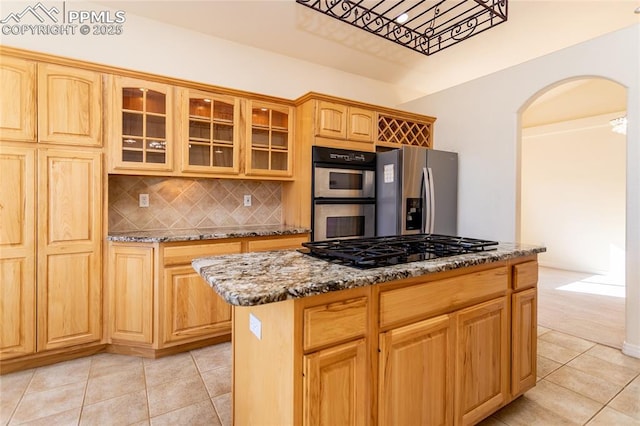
(182, 203)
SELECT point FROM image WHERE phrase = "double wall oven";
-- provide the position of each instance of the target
(343, 188)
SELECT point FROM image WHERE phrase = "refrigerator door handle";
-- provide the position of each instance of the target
(432, 201)
(426, 205)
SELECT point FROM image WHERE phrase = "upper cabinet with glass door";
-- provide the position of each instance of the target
(210, 133)
(141, 126)
(269, 139)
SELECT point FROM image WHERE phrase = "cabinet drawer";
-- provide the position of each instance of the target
(525, 275)
(334, 322)
(277, 243)
(180, 255)
(441, 296)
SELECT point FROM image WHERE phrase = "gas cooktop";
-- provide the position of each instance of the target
(392, 250)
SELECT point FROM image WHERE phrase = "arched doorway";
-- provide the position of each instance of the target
(572, 200)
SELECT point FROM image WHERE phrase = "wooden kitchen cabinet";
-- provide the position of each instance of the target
(335, 385)
(416, 364)
(210, 136)
(65, 109)
(524, 341)
(69, 106)
(158, 302)
(436, 350)
(141, 127)
(69, 290)
(66, 296)
(18, 100)
(17, 251)
(482, 360)
(340, 121)
(130, 289)
(269, 139)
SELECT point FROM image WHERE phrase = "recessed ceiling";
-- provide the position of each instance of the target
(534, 28)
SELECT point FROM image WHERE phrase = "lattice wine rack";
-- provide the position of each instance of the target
(395, 130)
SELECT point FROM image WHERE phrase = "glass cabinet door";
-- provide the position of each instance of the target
(143, 125)
(270, 139)
(210, 133)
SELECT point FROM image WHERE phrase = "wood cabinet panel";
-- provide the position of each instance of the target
(525, 275)
(69, 290)
(424, 300)
(183, 254)
(335, 386)
(416, 366)
(334, 322)
(18, 100)
(523, 341)
(361, 124)
(191, 308)
(131, 293)
(482, 360)
(269, 139)
(331, 120)
(277, 243)
(17, 306)
(69, 106)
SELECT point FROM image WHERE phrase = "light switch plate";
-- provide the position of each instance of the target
(247, 200)
(255, 326)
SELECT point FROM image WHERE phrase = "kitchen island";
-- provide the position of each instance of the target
(444, 341)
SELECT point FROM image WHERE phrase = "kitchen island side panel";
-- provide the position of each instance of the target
(266, 365)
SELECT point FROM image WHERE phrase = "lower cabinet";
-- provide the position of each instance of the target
(416, 374)
(524, 329)
(335, 385)
(157, 301)
(482, 360)
(445, 350)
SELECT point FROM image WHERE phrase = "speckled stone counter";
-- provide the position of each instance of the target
(168, 235)
(264, 277)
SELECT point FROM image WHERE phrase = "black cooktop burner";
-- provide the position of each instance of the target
(384, 251)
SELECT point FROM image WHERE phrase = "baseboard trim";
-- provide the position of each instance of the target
(631, 350)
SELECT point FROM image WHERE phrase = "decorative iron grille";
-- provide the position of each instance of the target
(424, 26)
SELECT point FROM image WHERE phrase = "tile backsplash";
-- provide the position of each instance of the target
(184, 203)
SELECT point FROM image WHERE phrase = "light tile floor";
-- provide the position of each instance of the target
(579, 383)
(192, 388)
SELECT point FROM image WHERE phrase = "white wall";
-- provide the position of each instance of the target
(489, 140)
(573, 194)
(167, 50)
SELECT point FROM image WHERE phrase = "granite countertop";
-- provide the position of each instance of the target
(263, 277)
(169, 235)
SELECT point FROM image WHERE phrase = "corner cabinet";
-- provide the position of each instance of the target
(269, 139)
(141, 128)
(210, 134)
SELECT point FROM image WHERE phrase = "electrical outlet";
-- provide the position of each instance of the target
(255, 326)
(143, 200)
(247, 200)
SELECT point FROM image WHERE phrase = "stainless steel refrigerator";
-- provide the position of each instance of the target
(416, 192)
